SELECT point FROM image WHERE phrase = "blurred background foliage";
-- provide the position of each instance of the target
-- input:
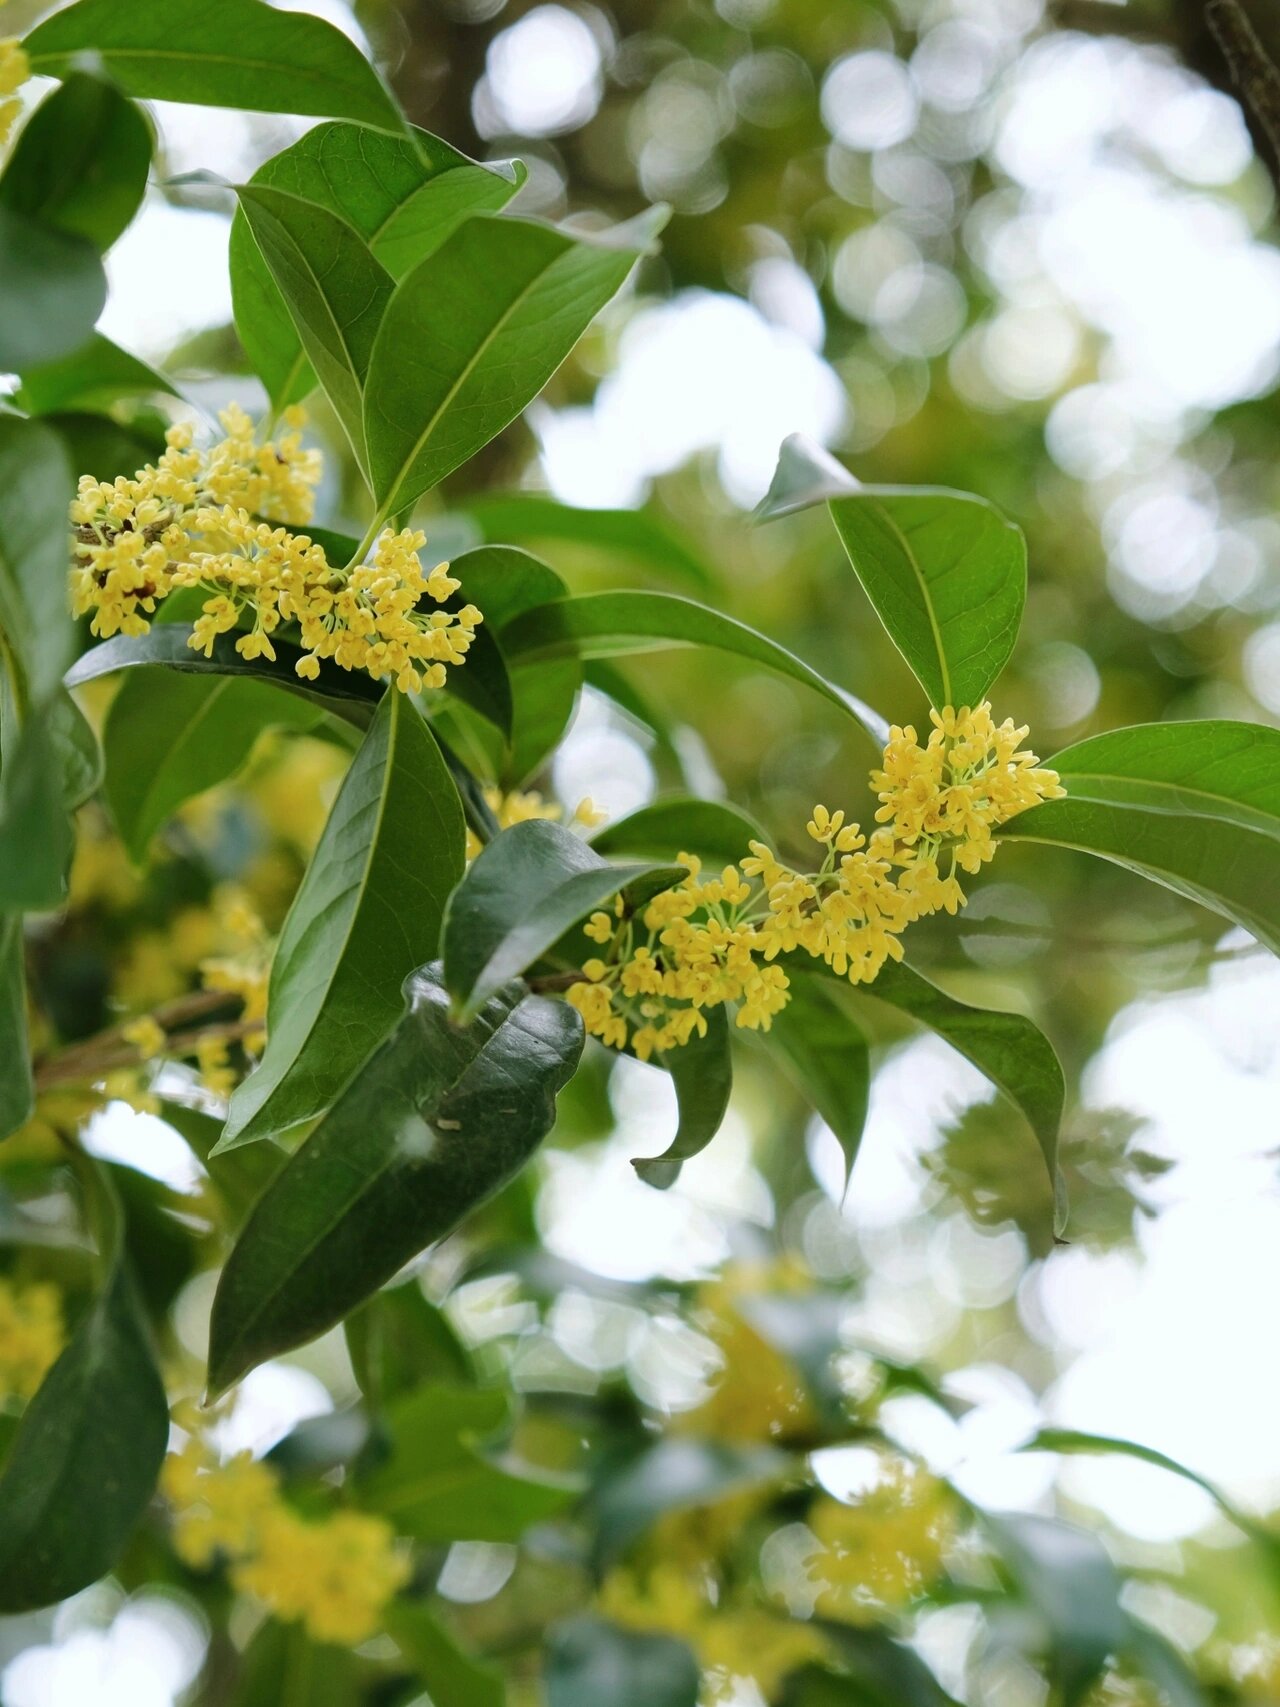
(1023, 252)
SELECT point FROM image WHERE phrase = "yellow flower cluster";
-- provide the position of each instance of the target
(879, 1553)
(31, 1336)
(333, 1575)
(517, 807)
(714, 940)
(194, 520)
(758, 1395)
(14, 71)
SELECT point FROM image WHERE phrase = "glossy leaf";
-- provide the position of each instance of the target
(36, 487)
(170, 736)
(95, 375)
(367, 912)
(398, 1340)
(335, 291)
(453, 1677)
(429, 1128)
(710, 829)
(472, 335)
(702, 1072)
(612, 624)
(76, 745)
(947, 575)
(403, 195)
(823, 1051)
(17, 1095)
(636, 534)
(593, 1664)
(35, 826)
(1194, 806)
(505, 581)
(53, 287)
(256, 57)
(90, 1444)
(1008, 1048)
(81, 161)
(438, 1485)
(520, 895)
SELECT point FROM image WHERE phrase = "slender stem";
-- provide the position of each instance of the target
(371, 533)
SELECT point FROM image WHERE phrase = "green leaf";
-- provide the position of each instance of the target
(673, 1475)
(947, 575)
(90, 1444)
(806, 475)
(1193, 806)
(453, 1678)
(17, 1094)
(437, 1485)
(702, 1072)
(170, 736)
(36, 836)
(879, 1673)
(429, 1128)
(472, 335)
(367, 912)
(102, 447)
(593, 1664)
(335, 291)
(505, 581)
(97, 374)
(398, 1340)
(403, 195)
(79, 756)
(53, 287)
(36, 488)
(636, 534)
(605, 625)
(824, 1053)
(256, 57)
(1068, 1576)
(1008, 1048)
(283, 1665)
(520, 895)
(709, 829)
(81, 161)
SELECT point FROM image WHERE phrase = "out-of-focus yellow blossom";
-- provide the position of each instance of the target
(295, 789)
(191, 521)
(32, 1333)
(14, 72)
(750, 1644)
(246, 972)
(711, 940)
(514, 807)
(334, 1574)
(879, 1552)
(55, 1111)
(100, 869)
(146, 1035)
(758, 1395)
(334, 1577)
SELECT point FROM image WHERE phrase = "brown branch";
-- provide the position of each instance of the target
(1253, 69)
(83, 1062)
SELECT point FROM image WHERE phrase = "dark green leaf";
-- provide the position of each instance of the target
(104, 448)
(879, 1672)
(453, 1678)
(1162, 1664)
(36, 487)
(1068, 1576)
(1009, 1049)
(91, 1441)
(472, 335)
(504, 581)
(367, 912)
(708, 829)
(434, 1124)
(335, 291)
(398, 1340)
(702, 1072)
(256, 57)
(947, 575)
(403, 195)
(170, 736)
(76, 745)
(95, 375)
(594, 1664)
(282, 1664)
(636, 534)
(17, 1095)
(610, 624)
(520, 895)
(825, 1054)
(437, 1486)
(238, 1179)
(1193, 806)
(81, 161)
(53, 287)
(36, 835)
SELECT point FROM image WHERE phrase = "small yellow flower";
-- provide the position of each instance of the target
(146, 1035)
(31, 1336)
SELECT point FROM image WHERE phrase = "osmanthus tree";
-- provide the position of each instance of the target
(384, 1068)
